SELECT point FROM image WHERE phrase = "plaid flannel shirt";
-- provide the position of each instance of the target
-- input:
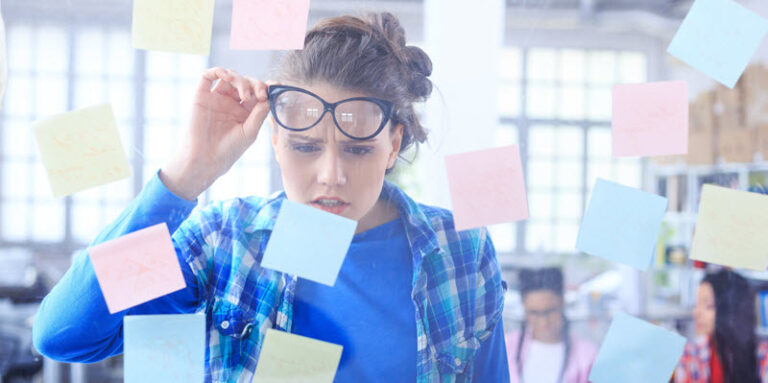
(694, 364)
(457, 285)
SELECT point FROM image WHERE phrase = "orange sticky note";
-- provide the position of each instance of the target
(268, 24)
(137, 267)
(650, 119)
(487, 187)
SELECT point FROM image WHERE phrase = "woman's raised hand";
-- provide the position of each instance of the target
(226, 118)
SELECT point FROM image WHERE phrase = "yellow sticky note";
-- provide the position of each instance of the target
(81, 149)
(289, 358)
(182, 26)
(730, 228)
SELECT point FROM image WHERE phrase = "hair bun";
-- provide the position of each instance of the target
(420, 66)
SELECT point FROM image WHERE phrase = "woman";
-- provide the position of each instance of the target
(414, 301)
(725, 348)
(544, 350)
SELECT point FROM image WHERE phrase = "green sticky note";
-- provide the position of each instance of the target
(81, 149)
(181, 26)
(289, 358)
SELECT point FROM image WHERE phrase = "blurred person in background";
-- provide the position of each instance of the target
(543, 350)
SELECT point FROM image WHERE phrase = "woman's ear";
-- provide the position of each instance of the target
(397, 141)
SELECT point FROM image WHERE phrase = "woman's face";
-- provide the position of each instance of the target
(323, 168)
(544, 314)
(704, 312)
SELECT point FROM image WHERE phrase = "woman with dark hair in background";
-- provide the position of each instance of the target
(725, 344)
(544, 350)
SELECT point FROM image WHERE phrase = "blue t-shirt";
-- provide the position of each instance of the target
(369, 311)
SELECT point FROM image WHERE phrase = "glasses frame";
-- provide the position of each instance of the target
(274, 91)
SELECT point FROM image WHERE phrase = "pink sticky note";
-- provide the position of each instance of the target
(487, 187)
(650, 119)
(268, 24)
(137, 267)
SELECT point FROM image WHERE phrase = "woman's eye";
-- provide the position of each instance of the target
(305, 148)
(359, 150)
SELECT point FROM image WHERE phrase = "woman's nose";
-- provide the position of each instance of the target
(330, 171)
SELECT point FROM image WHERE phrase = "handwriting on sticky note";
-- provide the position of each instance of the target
(269, 24)
(635, 351)
(81, 149)
(182, 26)
(621, 224)
(308, 242)
(718, 38)
(289, 358)
(164, 348)
(650, 119)
(137, 267)
(487, 187)
(730, 228)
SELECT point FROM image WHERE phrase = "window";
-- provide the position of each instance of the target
(556, 103)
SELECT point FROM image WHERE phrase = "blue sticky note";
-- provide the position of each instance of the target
(164, 348)
(718, 38)
(635, 351)
(621, 224)
(308, 242)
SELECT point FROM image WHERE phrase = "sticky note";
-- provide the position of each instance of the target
(289, 358)
(181, 26)
(731, 228)
(269, 24)
(621, 224)
(164, 348)
(718, 38)
(81, 149)
(308, 242)
(137, 267)
(650, 119)
(487, 187)
(635, 351)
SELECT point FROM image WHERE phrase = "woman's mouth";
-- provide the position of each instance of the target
(330, 204)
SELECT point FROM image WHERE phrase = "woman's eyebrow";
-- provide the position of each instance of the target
(302, 137)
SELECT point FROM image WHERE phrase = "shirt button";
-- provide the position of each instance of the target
(457, 361)
(225, 325)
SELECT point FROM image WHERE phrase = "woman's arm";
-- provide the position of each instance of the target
(73, 323)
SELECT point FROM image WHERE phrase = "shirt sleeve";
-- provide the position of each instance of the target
(73, 323)
(490, 364)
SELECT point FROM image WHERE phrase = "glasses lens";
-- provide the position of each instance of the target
(297, 110)
(359, 118)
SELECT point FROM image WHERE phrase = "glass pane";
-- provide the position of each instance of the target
(255, 181)
(542, 64)
(541, 101)
(541, 205)
(541, 141)
(53, 51)
(538, 236)
(540, 174)
(19, 47)
(87, 223)
(15, 220)
(509, 100)
(120, 54)
(161, 65)
(599, 143)
(121, 96)
(510, 64)
(503, 237)
(569, 206)
(48, 221)
(38, 177)
(18, 98)
(571, 103)
(89, 52)
(505, 135)
(633, 68)
(598, 169)
(569, 142)
(565, 237)
(569, 174)
(16, 179)
(599, 104)
(572, 66)
(89, 92)
(602, 67)
(17, 139)
(157, 136)
(629, 173)
(160, 102)
(50, 95)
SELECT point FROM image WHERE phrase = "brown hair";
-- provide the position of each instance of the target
(366, 54)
